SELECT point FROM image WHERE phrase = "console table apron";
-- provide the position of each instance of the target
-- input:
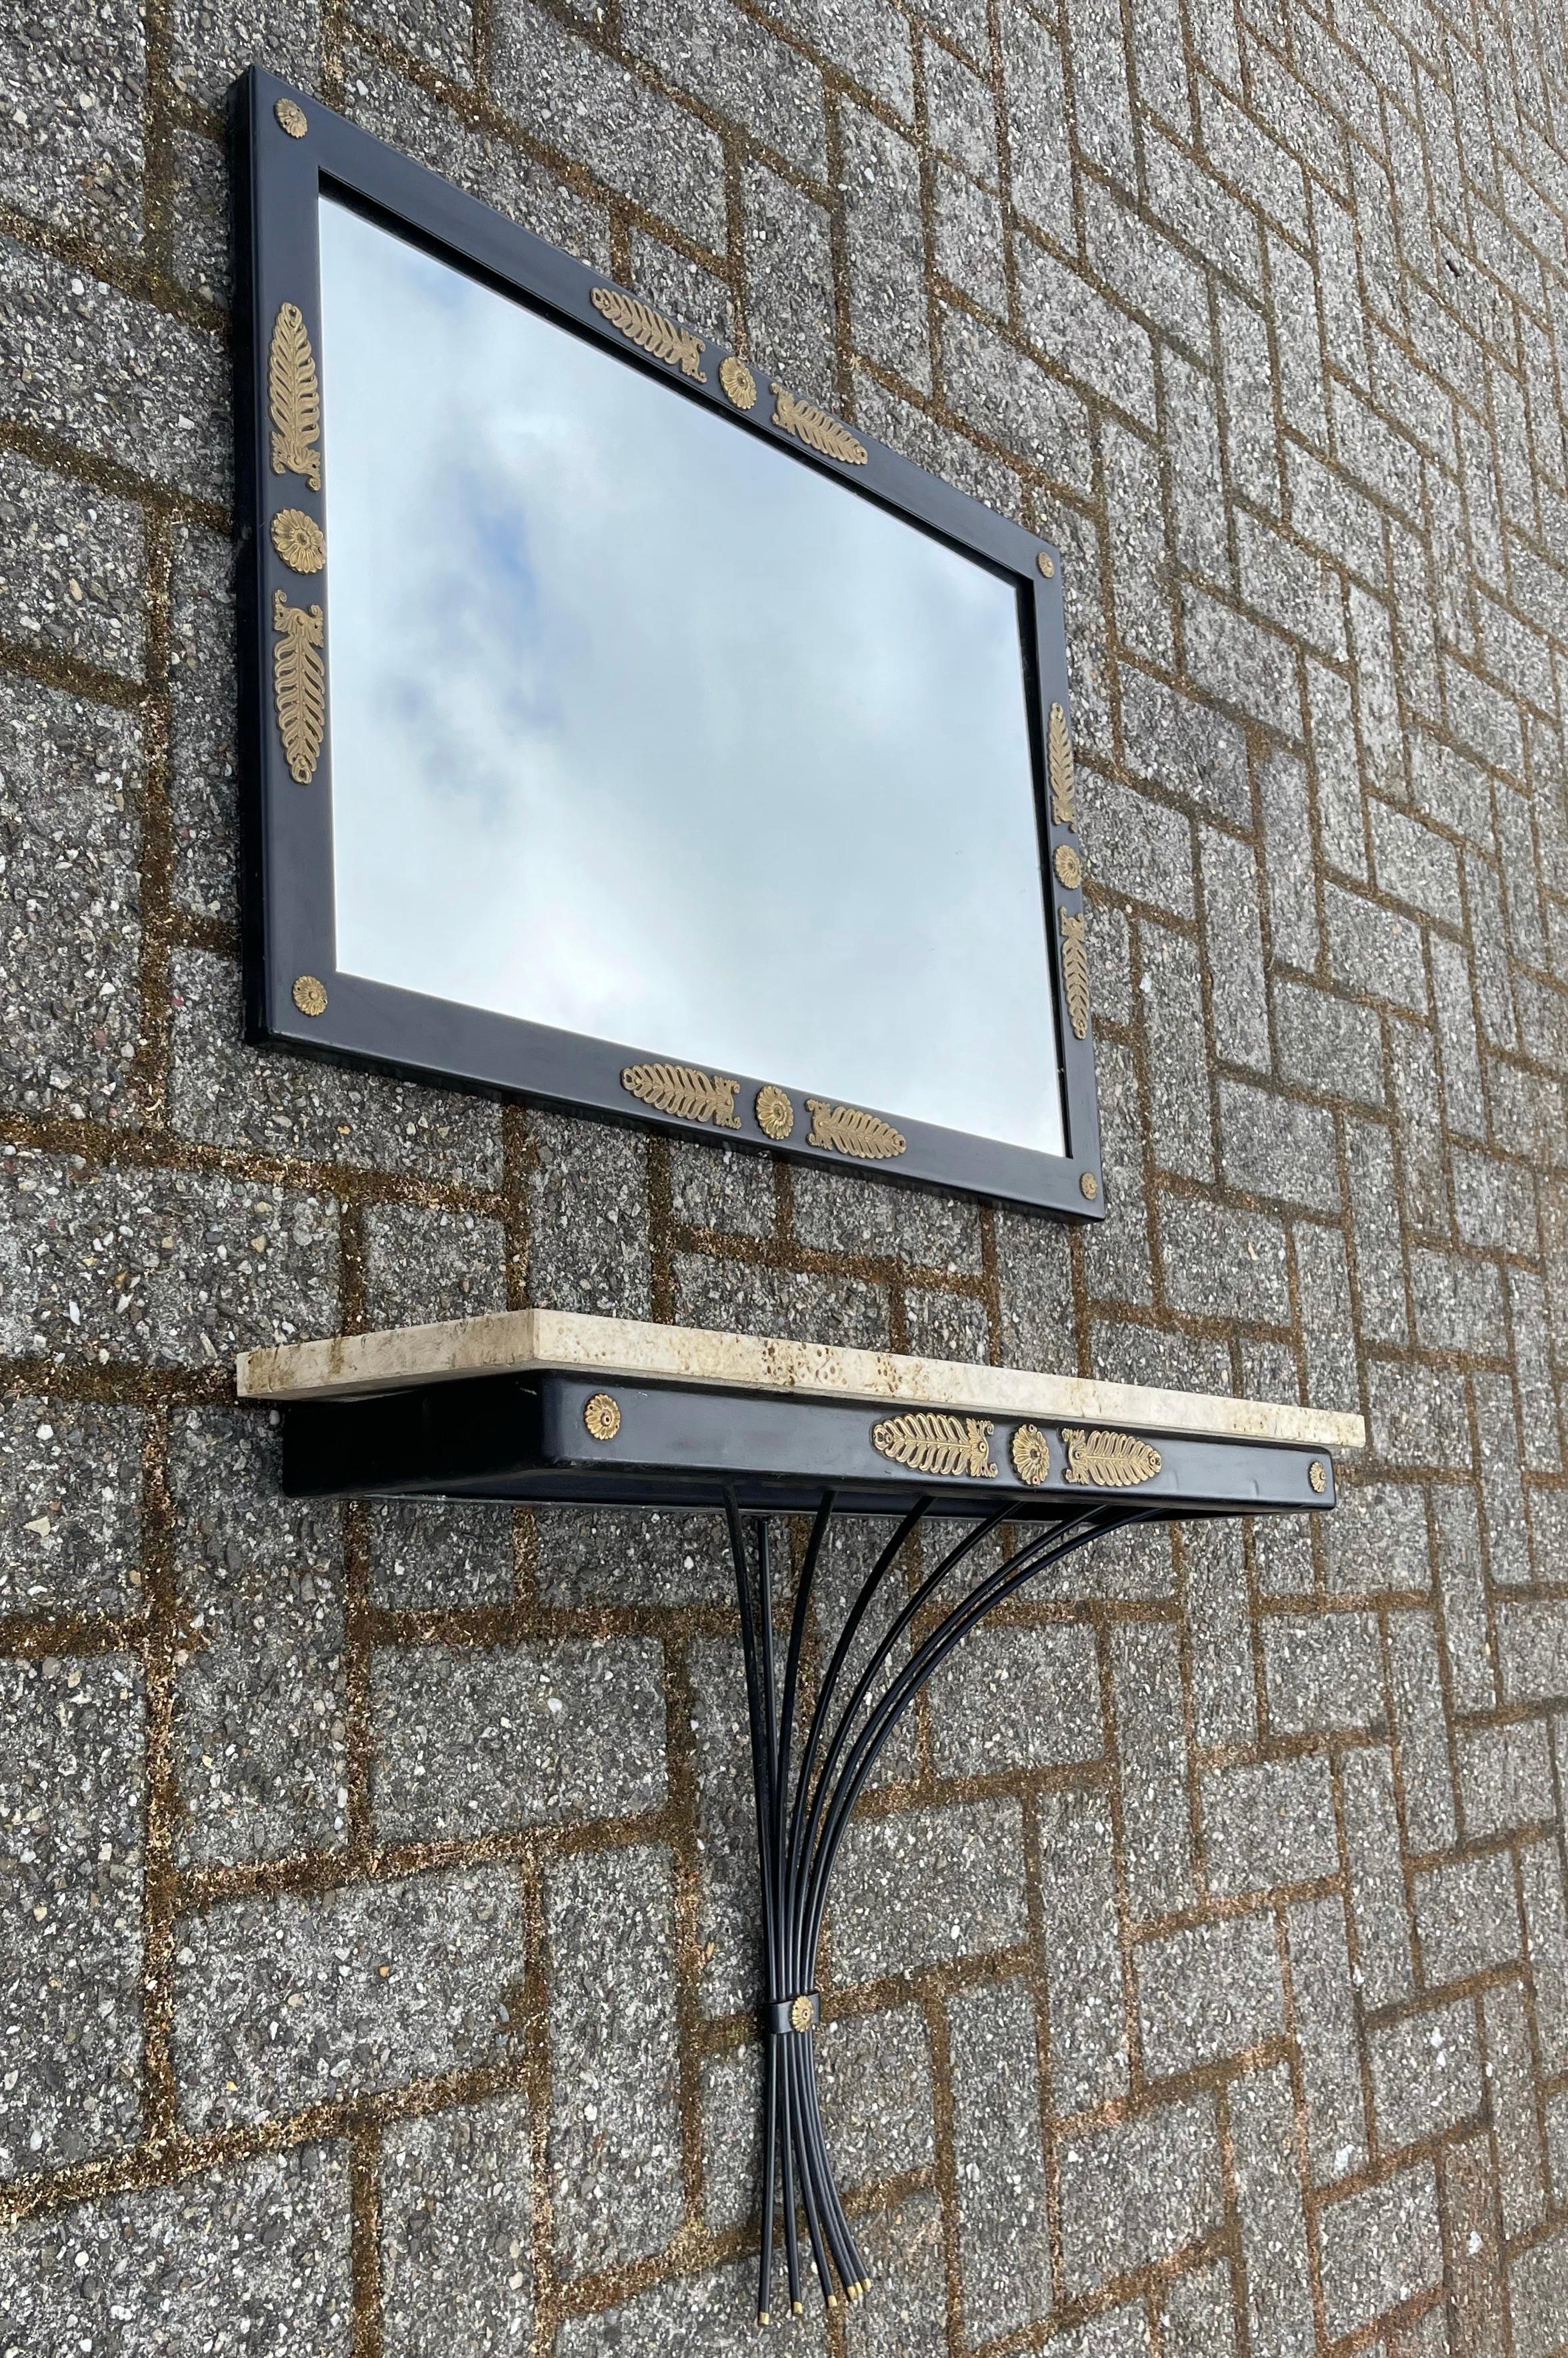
(546, 1407)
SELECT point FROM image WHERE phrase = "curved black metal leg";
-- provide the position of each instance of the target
(801, 1825)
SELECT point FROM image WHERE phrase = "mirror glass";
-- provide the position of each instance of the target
(643, 729)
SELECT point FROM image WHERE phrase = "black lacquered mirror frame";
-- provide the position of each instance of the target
(288, 151)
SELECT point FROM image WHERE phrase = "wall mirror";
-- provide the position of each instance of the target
(623, 728)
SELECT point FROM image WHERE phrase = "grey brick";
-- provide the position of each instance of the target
(867, 39)
(282, 2002)
(1458, 1303)
(1373, 951)
(903, 2248)
(1198, 486)
(1101, 95)
(1223, 1264)
(1186, 748)
(419, 1266)
(1466, 1917)
(71, 1500)
(1532, 1652)
(789, 303)
(1210, 1991)
(1269, 1825)
(745, 1299)
(966, 239)
(1198, 2314)
(886, 246)
(1426, 2074)
(1378, 2247)
(957, 1875)
(1337, 765)
(1511, 2082)
(1037, 109)
(73, 569)
(580, 102)
(259, 1735)
(1530, 1325)
(1377, 1540)
(1116, 1253)
(457, 2231)
(1085, 335)
(1538, 2295)
(1417, 1416)
(588, 1201)
(1134, 2192)
(440, 1554)
(1176, 1056)
(1273, 2232)
(1225, 1698)
(1300, 593)
(1083, 1954)
(1137, 542)
(1035, 1281)
(1323, 1671)
(615, 2130)
(1274, 1146)
(157, 1235)
(1234, 933)
(837, 1212)
(1010, 399)
(1206, 215)
(1415, 864)
(1505, 1777)
(1546, 1920)
(1323, 1281)
(70, 1807)
(84, 363)
(253, 2256)
(73, 93)
(472, 1740)
(1425, 1774)
(294, 1107)
(203, 699)
(1323, 2008)
(1012, 1697)
(1378, 1911)
(69, 901)
(1422, 1147)
(1374, 1218)
(1495, 1202)
(1003, 2230)
(1233, 658)
(1151, 1746)
(709, 2316)
(1137, 848)
(1120, 2333)
(1327, 1044)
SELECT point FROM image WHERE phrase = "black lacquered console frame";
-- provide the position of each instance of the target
(1034, 1493)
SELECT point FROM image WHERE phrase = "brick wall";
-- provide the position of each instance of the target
(377, 1913)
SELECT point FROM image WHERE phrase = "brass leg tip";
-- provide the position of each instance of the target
(797, 2309)
(832, 2300)
(763, 2318)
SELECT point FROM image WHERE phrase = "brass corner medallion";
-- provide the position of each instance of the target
(661, 339)
(1068, 866)
(845, 1129)
(601, 1415)
(299, 685)
(1088, 1186)
(310, 995)
(294, 398)
(1075, 971)
(1059, 762)
(929, 1443)
(291, 117)
(298, 540)
(1110, 1461)
(774, 1110)
(1031, 1453)
(816, 428)
(684, 1091)
(740, 386)
(1047, 564)
(1317, 1475)
(802, 2014)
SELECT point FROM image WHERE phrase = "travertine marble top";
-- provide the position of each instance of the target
(511, 1341)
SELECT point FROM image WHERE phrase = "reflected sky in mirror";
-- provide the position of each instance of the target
(643, 729)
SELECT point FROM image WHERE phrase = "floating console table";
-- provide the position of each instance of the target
(546, 1407)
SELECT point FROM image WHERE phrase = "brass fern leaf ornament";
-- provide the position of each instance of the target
(649, 330)
(845, 1129)
(299, 684)
(294, 398)
(929, 1443)
(1110, 1461)
(816, 428)
(1076, 970)
(1059, 762)
(683, 1091)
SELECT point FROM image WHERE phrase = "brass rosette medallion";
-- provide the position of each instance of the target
(1110, 1461)
(774, 1111)
(1031, 1452)
(602, 1416)
(740, 386)
(298, 540)
(1068, 866)
(802, 2014)
(291, 118)
(1088, 1186)
(1317, 1475)
(310, 995)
